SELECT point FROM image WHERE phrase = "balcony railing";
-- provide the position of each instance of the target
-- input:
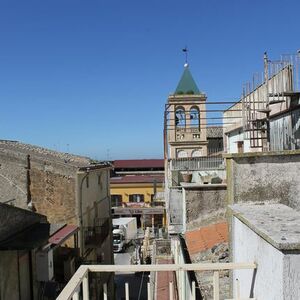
(95, 235)
(79, 285)
(197, 163)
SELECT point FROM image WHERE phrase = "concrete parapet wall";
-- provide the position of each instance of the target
(268, 177)
(277, 274)
(205, 204)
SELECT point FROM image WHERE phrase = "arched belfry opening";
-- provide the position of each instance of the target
(180, 117)
(195, 117)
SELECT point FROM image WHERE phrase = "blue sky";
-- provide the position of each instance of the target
(92, 77)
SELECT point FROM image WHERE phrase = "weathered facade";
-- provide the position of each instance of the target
(269, 176)
(66, 188)
(204, 204)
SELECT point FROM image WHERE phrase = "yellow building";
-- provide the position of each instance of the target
(134, 189)
(135, 186)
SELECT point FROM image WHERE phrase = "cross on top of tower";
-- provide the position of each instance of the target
(185, 50)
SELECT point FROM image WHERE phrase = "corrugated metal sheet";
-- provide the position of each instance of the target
(285, 131)
(296, 128)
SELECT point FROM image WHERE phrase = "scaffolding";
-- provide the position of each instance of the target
(269, 93)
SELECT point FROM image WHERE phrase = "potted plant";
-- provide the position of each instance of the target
(187, 175)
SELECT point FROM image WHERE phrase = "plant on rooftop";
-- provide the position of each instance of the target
(187, 175)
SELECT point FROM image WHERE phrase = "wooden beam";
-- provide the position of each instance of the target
(216, 285)
(171, 267)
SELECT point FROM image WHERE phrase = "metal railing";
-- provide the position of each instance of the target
(79, 284)
(197, 163)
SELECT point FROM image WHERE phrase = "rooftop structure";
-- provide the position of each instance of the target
(139, 164)
(278, 224)
(187, 84)
(185, 135)
(214, 132)
(266, 117)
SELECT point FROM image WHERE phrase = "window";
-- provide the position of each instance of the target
(194, 117)
(240, 146)
(180, 117)
(116, 200)
(196, 153)
(136, 198)
(181, 154)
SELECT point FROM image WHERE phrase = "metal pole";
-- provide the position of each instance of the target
(81, 213)
(266, 74)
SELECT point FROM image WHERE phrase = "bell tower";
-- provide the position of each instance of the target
(186, 119)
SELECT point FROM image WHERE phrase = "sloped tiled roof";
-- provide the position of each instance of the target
(138, 163)
(206, 237)
(214, 132)
(41, 152)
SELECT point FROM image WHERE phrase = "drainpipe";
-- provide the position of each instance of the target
(28, 182)
(154, 191)
(81, 212)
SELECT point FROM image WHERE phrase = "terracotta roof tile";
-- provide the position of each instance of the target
(206, 237)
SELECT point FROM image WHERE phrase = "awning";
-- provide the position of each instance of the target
(138, 211)
(63, 234)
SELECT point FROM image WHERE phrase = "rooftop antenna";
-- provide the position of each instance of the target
(108, 154)
(185, 50)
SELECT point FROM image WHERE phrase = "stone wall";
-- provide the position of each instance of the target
(217, 254)
(269, 176)
(175, 210)
(51, 185)
(53, 194)
(13, 179)
(51, 180)
(205, 204)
